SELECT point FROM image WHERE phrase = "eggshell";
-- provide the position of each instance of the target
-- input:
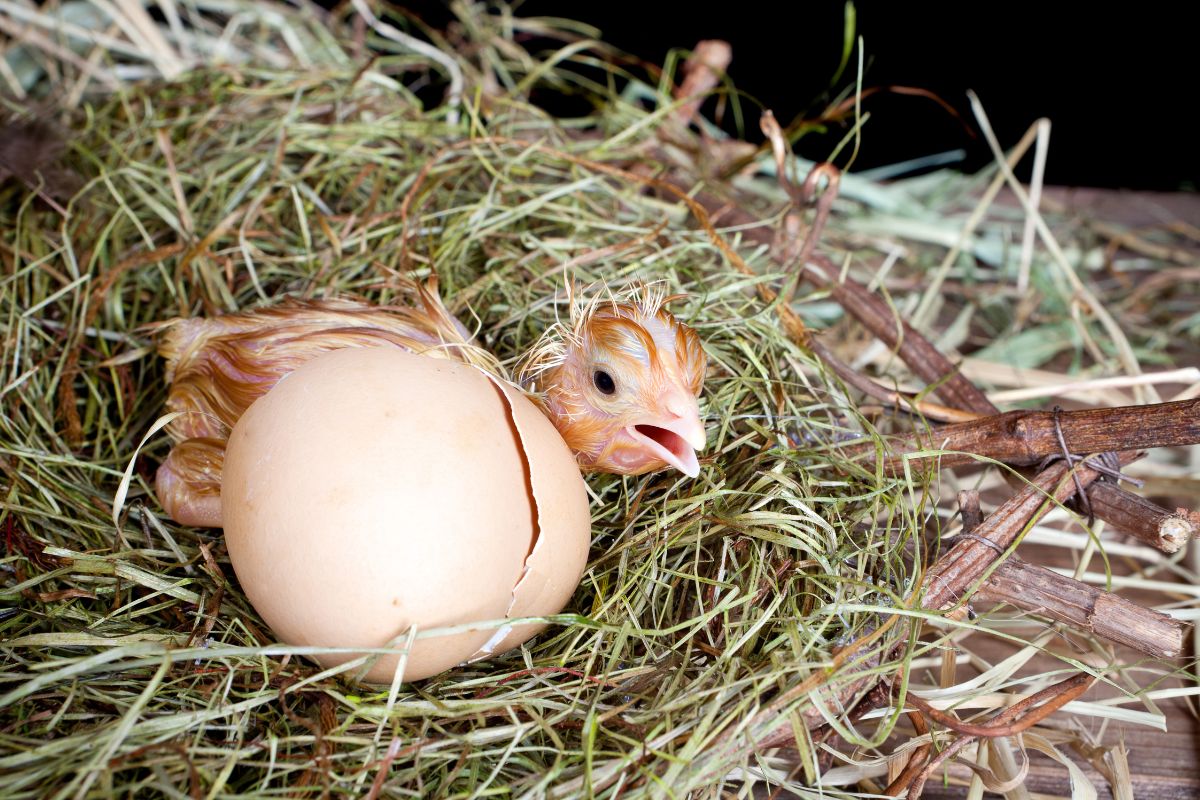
(373, 491)
(555, 484)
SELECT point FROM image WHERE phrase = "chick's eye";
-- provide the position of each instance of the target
(604, 382)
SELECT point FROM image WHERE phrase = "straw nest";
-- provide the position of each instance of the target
(221, 156)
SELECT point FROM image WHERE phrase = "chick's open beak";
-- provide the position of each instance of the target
(673, 436)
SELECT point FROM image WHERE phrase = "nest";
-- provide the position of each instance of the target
(760, 624)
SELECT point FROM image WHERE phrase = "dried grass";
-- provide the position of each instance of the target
(233, 153)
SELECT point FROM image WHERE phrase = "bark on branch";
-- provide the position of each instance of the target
(1046, 593)
(1147, 522)
(931, 366)
(1024, 438)
(956, 572)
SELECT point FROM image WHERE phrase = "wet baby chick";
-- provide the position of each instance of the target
(619, 379)
(620, 384)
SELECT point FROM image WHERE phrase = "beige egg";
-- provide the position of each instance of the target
(374, 493)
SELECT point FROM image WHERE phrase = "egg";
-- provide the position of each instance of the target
(374, 496)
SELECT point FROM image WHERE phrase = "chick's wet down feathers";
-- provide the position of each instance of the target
(619, 380)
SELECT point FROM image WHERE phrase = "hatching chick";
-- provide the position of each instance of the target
(619, 382)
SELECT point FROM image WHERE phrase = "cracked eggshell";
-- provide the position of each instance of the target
(554, 567)
(373, 491)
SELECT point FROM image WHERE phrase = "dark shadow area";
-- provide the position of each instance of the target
(1118, 86)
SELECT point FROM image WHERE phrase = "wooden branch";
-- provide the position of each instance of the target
(969, 510)
(1024, 438)
(916, 351)
(862, 383)
(702, 72)
(1061, 598)
(1173, 423)
(1013, 719)
(1147, 522)
(913, 349)
(1010, 727)
(1046, 593)
(964, 564)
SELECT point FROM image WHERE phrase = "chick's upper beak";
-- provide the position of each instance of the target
(675, 434)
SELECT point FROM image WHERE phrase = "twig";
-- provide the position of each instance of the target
(1008, 723)
(916, 761)
(796, 251)
(1041, 591)
(824, 202)
(953, 575)
(702, 72)
(1146, 521)
(1013, 720)
(862, 383)
(913, 349)
(1024, 438)
(930, 365)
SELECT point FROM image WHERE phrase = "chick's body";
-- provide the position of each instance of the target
(620, 382)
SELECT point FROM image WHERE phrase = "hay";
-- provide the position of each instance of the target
(232, 154)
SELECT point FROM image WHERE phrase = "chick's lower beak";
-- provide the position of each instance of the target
(675, 435)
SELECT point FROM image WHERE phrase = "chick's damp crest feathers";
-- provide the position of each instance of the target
(639, 302)
(622, 374)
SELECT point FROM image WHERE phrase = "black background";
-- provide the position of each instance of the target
(1119, 86)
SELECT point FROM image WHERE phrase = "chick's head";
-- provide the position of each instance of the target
(621, 383)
